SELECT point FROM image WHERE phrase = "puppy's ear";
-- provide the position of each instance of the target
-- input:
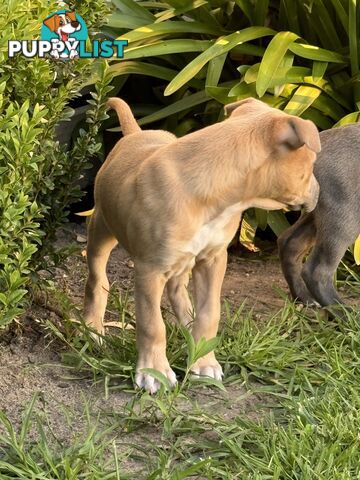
(294, 132)
(51, 23)
(71, 15)
(228, 109)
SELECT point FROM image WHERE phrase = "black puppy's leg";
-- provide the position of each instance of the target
(293, 245)
(318, 272)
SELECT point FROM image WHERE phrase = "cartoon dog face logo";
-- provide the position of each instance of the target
(63, 25)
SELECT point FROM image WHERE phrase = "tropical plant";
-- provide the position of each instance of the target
(38, 177)
(299, 56)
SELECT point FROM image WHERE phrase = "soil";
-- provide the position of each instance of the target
(31, 362)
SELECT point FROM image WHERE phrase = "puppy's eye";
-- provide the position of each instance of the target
(61, 23)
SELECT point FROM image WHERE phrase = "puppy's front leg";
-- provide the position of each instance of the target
(208, 276)
(150, 328)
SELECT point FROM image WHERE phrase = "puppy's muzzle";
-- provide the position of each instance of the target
(310, 202)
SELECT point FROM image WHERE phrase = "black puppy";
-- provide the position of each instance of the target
(334, 224)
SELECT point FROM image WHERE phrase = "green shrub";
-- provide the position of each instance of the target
(301, 56)
(38, 177)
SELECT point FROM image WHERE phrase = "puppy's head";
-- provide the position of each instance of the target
(63, 24)
(282, 153)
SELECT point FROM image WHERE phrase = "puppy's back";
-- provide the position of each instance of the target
(337, 170)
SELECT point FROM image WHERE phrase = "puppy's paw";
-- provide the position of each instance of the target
(147, 381)
(208, 366)
(97, 338)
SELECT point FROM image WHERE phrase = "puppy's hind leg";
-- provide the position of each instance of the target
(100, 244)
(179, 298)
(293, 245)
(208, 276)
(318, 272)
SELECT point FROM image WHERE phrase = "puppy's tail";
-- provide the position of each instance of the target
(126, 118)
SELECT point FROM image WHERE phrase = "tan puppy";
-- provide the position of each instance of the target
(175, 204)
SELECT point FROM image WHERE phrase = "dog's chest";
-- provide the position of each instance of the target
(214, 233)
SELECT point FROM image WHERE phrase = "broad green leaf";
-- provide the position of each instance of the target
(353, 37)
(272, 59)
(321, 121)
(118, 20)
(261, 218)
(148, 69)
(312, 52)
(319, 69)
(247, 7)
(167, 28)
(154, 4)
(242, 89)
(165, 47)
(277, 222)
(189, 101)
(350, 118)
(246, 49)
(326, 87)
(176, 11)
(357, 251)
(302, 99)
(221, 46)
(341, 13)
(131, 7)
(260, 11)
(221, 94)
(324, 26)
(282, 75)
(214, 71)
(329, 107)
(285, 64)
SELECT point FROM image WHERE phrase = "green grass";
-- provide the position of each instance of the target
(301, 369)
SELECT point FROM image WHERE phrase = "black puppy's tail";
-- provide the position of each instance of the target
(126, 118)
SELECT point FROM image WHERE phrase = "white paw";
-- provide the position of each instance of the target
(208, 368)
(73, 54)
(55, 54)
(97, 338)
(151, 384)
